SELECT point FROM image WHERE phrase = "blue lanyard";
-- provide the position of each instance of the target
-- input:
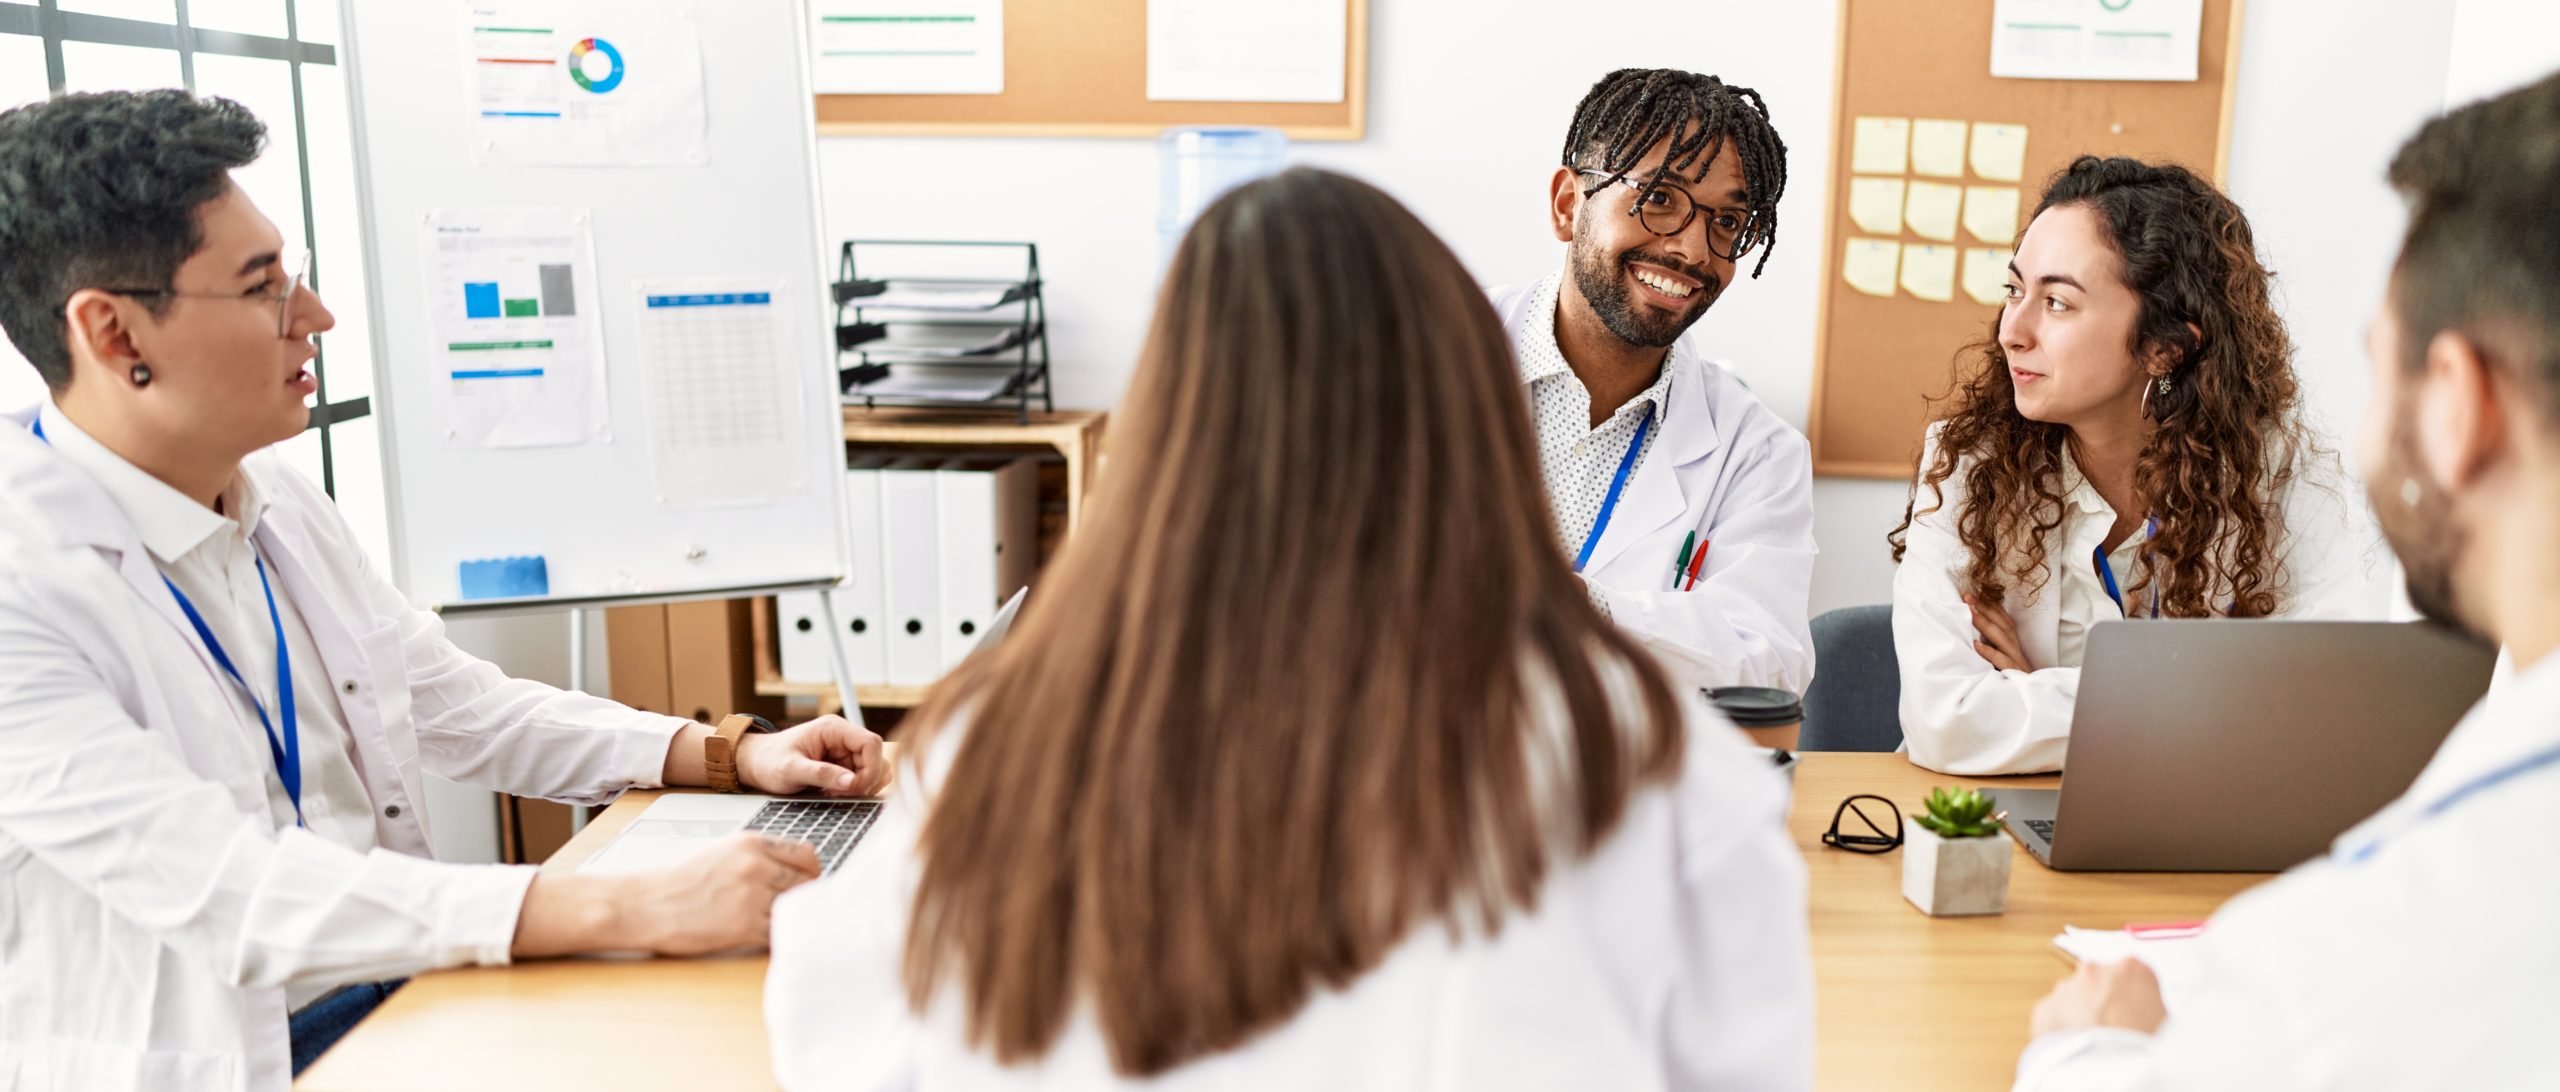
(2445, 803)
(1617, 485)
(287, 752)
(2107, 573)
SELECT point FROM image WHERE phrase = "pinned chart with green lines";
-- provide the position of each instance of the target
(906, 47)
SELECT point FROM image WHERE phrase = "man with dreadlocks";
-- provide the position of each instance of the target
(1687, 505)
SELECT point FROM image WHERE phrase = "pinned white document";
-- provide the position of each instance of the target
(2096, 39)
(1929, 271)
(1986, 275)
(906, 47)
(1247, 50)
(519, 354)
(1875, 205)
(1931, 210)
(1879, 145)
(1991, 213)
(725, 411)
(1999, 151)
(1869, 265)
(1937, 147)
(584, 83)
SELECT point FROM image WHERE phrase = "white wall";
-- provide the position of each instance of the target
(1465, 123)
(2500, 44)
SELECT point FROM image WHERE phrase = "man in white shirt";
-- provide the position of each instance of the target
(2418, 953)
(215, 717)
(1685, 503)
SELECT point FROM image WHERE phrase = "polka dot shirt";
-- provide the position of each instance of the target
(1579, 460)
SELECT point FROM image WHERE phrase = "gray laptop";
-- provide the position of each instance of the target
(2243, 746)
(681, 822)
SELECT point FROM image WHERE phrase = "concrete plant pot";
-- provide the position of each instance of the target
(1954, 877)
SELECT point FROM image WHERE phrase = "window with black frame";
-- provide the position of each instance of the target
(280, 59)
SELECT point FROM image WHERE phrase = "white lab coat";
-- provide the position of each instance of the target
(1735, 474)
(1961, 716)
(153, 912)
(1674, 957)
(2430, 964)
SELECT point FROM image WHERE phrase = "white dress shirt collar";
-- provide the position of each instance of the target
(1541, 357)
(170, 523)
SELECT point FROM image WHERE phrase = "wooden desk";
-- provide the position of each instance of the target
(1905, 1001)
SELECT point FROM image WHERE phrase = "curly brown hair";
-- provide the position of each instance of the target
(2226, 441)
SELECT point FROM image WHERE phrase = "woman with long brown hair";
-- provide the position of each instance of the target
(1310, 764)
(2128, 443)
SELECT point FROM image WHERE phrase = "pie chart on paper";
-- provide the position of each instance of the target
(596, 65)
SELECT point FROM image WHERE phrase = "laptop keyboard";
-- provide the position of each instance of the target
(833, 826)
(2043, 829)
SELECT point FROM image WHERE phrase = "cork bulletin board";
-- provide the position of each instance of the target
(1079, 68)
(1895, 309)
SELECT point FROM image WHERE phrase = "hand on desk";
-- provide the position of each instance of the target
(2123, 994)
(829, 754)
(715, 900)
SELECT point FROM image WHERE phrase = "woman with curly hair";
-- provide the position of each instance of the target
(2128, 443)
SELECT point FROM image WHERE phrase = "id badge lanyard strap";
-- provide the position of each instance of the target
(287, 752)
(2528, 764)
(1617, 485)
(2107, 573)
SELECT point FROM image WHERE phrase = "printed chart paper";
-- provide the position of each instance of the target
(518, 352)
(2096, 39)
(907, 47)
(584, 83)
(726, 421)
(1247, 50)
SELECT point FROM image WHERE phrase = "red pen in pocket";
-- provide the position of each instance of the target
(1697, 564)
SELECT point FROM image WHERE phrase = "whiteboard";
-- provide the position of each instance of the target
(737, 203)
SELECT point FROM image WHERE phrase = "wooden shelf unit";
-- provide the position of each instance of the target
(1074, 437)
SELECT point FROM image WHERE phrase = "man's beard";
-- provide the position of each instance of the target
(2417, 520)
(1604, 285)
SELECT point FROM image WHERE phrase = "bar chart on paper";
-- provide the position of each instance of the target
(516, 332)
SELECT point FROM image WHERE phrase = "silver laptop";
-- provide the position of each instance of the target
(2242, 745)
(677, 824)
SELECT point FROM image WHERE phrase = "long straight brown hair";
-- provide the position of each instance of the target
(1272, 708)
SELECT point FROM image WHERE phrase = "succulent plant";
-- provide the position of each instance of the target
(1959, 813)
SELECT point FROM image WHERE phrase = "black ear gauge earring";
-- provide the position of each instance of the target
(141, 375)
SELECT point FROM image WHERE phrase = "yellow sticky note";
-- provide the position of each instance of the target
(1986, 274)
(1999, 151)
(1929, 271)
(1875, 204)
(1879, 145)
(1869, 265)
(1932, 210)
(1991, 213)
(1937, 147)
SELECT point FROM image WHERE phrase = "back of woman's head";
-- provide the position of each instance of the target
(1267, 713)
(2225, 438)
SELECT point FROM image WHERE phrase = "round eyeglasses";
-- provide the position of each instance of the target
(282, 297)
(1667, 210)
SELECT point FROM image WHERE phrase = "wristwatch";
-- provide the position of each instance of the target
(720, 748)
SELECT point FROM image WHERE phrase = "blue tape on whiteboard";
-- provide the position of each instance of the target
(505, 578)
